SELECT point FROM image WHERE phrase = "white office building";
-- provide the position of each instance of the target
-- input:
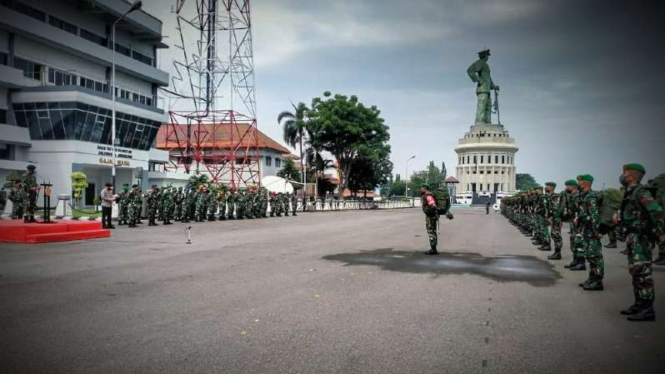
(55, 100)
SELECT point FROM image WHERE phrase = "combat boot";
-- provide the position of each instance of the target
(646, 313)
(579, 266)
(545, 247)
(555, 256)
(633, 308)
(585, 283)
(596, 285)
(571, 264)
(432, 251)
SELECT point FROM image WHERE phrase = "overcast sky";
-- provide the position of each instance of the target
(581, 81)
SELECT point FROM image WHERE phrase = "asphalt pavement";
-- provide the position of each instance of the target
(331, 292)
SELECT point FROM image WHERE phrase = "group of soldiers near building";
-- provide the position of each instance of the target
(170, 204)
(24, 196)
(634, 215)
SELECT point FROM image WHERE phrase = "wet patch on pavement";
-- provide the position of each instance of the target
(503, 268)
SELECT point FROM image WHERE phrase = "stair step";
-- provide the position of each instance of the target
(67, 236)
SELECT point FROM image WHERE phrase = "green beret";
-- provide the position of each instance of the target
(571, 182)
(585, 177)
(426, 185)
(31, 167)
(635, 167)
(551, 184)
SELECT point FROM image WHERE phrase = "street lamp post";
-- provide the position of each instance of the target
(135, 6)
(406, 177)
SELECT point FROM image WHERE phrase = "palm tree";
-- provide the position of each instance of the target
(294, 130)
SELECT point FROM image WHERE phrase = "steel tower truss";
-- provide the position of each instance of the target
(213, 127)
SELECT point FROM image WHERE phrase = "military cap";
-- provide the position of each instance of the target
(571, 182)
(585, 177)
(635, 167)
(31, 167)
(426, 185)
(484, 52)
(135, 186)
(551, 184)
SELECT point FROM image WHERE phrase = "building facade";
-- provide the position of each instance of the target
(55, 92)
(486, 164)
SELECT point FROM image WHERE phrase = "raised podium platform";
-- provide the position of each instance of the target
(15, 231)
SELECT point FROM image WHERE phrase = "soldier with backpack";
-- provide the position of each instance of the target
(429, 206)
(644, 222)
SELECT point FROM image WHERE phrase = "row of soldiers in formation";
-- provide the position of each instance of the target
(633, 214)
(171, 204)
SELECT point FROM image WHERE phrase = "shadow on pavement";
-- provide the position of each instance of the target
(504, 268)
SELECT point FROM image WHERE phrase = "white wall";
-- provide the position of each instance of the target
(132, 84)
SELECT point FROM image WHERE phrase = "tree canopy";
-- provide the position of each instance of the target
(290, 172)
(525, 182)
(347, 129)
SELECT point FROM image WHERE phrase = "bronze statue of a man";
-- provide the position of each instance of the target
(479, 72)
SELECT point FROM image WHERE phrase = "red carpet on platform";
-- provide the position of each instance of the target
(15, 231)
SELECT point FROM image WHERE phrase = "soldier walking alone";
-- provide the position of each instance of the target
(428, 204)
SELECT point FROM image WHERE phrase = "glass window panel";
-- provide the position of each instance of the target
(56, 123)
(80, 123)
(51, 76)
(41, 106)
(106, 133)
(98, 86)
(69, 123)
(21, 120)
(89, 83)
(45, 126)
(89, 124)
(97, 130)
(67, 105)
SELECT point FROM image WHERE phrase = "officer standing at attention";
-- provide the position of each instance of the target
(428, 204)
(643, 220)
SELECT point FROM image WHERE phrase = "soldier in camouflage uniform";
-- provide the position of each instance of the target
(644, 221)
(240, 204)
(286, 198)
(211, 204)
(178, 199)
(29, 195)
(185, 215)
(588, 217)
(571, 209)
(200, 210)
(132, 205)
(543, 212)
(153, 205)
(123, 200)
(294, 203)
(16, 197)
(557, 217)
(222, 204)
(231, 204)
(271, 200)
(258, 204)
(428, 204)
(168, 205)
(249, 203)
(279, 203)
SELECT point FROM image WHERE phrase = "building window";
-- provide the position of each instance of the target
(122, 50)
(268, 161)
(99, 40)
(30, 69)
(278, 162)
(482, 159)
(77, 121)
(475, 159)
(496, 159)
(503, 159)
(25, 9)
(141, 58)
(3, 116)
(62, 25)
(4, 58)
(60, 78)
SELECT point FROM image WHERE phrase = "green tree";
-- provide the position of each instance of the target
(196, 181)
(433, 176)
(525, 182)
(317, 165)
(79, 183)
(346, 128)
(289, 172)
(368, 173)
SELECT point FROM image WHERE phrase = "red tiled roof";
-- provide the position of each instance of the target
(215, 136)
(451, 179)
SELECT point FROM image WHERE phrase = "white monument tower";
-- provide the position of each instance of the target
(486, 154)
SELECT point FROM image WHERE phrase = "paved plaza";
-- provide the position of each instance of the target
(337, 292)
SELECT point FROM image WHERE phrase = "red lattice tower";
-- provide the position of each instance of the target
(215, 70)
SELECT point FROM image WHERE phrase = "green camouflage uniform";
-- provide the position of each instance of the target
(222, 206)
(431, 218)
(644, 221)
(178, 199)
(211, 205)
(556, 214)
(589, 218)
(153, 206)
(29, 195)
